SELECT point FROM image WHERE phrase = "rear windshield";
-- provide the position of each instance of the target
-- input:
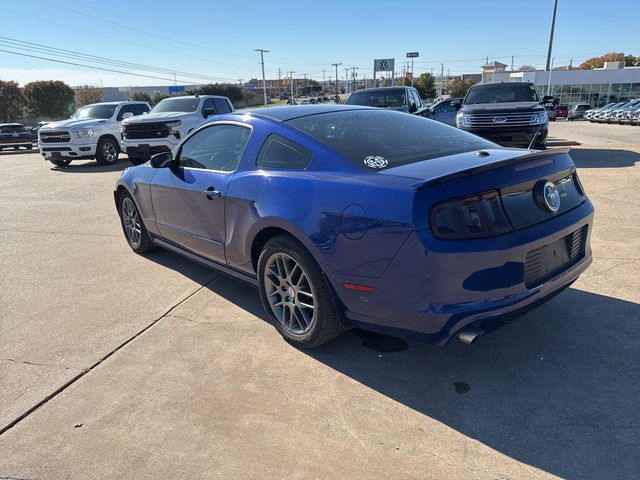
(12, 129)
(380, 139)
(501, 93)
(177, 105)
(387, 98)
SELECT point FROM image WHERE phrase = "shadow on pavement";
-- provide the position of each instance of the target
(603, 158)
(22, 151)
(556, 390)
(561, 142)
(91, 166)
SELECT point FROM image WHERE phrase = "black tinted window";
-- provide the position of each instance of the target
(501, 93)
(141, 109)
(278, 152)
(127, 109)
(222, 106)
(218, 147)
(384, 139)
(12, 129)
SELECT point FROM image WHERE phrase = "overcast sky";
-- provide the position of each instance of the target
(215, 40)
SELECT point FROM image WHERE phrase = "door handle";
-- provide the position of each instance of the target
(211, 192)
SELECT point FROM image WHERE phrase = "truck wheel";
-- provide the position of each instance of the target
(61, 163)
(107, 152)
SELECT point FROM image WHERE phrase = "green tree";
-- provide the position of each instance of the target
(141, 97)
(598, 62)
(11, 101)
(426, 85)
(229, 90)
(88, 95)
(157, 98)
(459, 87)
(49, 98)
(526, 68)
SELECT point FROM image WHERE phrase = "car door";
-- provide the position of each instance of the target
(445, 113)
(189, 199)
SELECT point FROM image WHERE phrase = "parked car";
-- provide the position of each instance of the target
(634, 117)
(14, 135)
(578, 112)
(91, 132)
(404, 99)
(34, 129)
(507, 113)
(604, 114)
(591, 114)
(442, 111)
(623, 114)
(169, 121)
(551, 112)
(296, 200)
(562, 111)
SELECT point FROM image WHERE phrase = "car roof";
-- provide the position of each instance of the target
(282, 114)
(11, 125)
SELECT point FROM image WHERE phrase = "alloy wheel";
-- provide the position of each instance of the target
(290, 293)
(109, 152)
(131, 222)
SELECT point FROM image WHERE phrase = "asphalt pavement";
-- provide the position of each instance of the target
(114, 365)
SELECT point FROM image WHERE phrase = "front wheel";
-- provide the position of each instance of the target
(132, 225)
(107, 151)
(296, 295)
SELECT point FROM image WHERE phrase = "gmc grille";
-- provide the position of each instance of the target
(55, 137)
(140, 131)
(503, 119)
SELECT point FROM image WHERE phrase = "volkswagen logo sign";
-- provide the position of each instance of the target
(546, 196)
(499, 119)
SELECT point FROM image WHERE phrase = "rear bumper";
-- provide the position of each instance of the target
(519, 137)
(434, 288)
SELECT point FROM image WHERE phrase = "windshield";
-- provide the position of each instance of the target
(388, 98)
(380, 139)
(185, 105)
(12, 129)
(501, 93)
(95, 111)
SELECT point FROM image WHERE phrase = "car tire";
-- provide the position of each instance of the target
(107, 151)
(61, 163)
(28, 147)
(296, 295)
(133, 227)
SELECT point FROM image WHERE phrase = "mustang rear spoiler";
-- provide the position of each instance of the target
(535, 158)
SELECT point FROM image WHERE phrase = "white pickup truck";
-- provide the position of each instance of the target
(169, 121)
(92, 132)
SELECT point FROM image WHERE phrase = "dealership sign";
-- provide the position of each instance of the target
(384, 65)
(412, 55)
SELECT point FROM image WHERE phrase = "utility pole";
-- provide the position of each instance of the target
(553, 26)
(354, 74)
(512, 63)
(279, 82)
(291, 73)
(324, 79)
(305, 89)
(441, 79)
(336, 65)
(264, 81)
(346, 80)
(404, 74)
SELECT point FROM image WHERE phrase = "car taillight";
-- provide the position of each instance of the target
(475, 216)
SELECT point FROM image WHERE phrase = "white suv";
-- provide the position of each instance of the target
(169, 121)
(92, 132)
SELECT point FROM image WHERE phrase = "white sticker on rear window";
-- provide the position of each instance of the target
(373, 161)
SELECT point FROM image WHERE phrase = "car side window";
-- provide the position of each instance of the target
(127, 109)
(141, 109)
(416, 97)
(208, 103)
(222, 106)
(217, 147)
(278, 152)
(445, 107)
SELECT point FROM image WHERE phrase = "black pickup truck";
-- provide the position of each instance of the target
(510, 114)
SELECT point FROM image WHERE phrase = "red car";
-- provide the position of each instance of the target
(562, 111)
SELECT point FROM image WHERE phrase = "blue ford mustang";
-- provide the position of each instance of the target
(352, 216)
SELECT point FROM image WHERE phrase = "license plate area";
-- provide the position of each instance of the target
(546, 262)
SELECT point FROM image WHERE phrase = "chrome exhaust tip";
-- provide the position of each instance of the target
(468, 335)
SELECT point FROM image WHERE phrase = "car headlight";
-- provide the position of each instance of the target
(463, 120)
(540, 117)
(83, 133)
(174, 128)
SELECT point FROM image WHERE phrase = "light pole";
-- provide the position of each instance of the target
(292, 99)
(549, 81)
(553, 25)
(336, 65)
(264, 81)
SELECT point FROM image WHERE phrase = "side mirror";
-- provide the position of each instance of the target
(163, 160)
(127, 115)
(547, 99)
(413, 108)
(456, 104)
(209, 112)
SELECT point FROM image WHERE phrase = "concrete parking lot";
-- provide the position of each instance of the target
(114, 365)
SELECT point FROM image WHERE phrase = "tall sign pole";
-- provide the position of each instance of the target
(336, 65)
(264, 81)
(553, 26)
(412, 55)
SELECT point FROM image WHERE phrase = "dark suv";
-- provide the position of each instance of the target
(14, 135)
(507, 113)
(404, 99)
